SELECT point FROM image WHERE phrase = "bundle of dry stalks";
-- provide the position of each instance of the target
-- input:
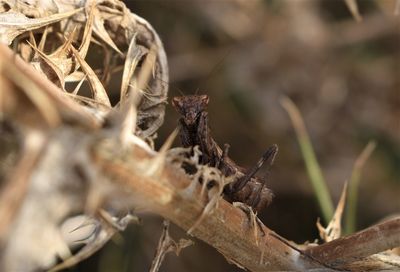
(64, 155)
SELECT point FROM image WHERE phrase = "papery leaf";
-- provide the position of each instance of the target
(49, 63)
(99, 93)
(13, 24)
(334, 229)
(99, 29)
(132, 59)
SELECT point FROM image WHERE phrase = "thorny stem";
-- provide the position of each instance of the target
(359, 245)
(227, 228)
(162, 248)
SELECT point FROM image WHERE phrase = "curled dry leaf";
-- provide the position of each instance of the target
(334, 228)
(99, 93)
(13, 24)
(62, 24)
(62, 61)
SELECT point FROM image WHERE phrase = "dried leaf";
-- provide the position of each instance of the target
(44, 95)
(99, 93)
(334, 229)
(132, 59)
(99, 30)
(63, 58)
(13, 24)
(50, 69)
(42, 102)
(87, 33)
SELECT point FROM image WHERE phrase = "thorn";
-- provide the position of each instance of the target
(32, 39)
(50, 62)
(68, 41)
(43, 39)
(79, 85)
(158, 162)
(129, 116)
(132, 57)
(168, 143)
(99, 93)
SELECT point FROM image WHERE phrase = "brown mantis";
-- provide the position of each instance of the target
(194, 130)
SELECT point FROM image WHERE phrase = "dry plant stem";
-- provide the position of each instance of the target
(161, 248)
(362, 244)
(167, 244)
(15, 70)
(227, 228)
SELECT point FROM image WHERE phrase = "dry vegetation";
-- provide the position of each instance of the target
(78, 161)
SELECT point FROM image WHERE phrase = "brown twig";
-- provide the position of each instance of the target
(227, 228)
(362, 244)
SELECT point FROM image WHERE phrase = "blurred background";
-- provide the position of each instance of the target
(344, 76)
